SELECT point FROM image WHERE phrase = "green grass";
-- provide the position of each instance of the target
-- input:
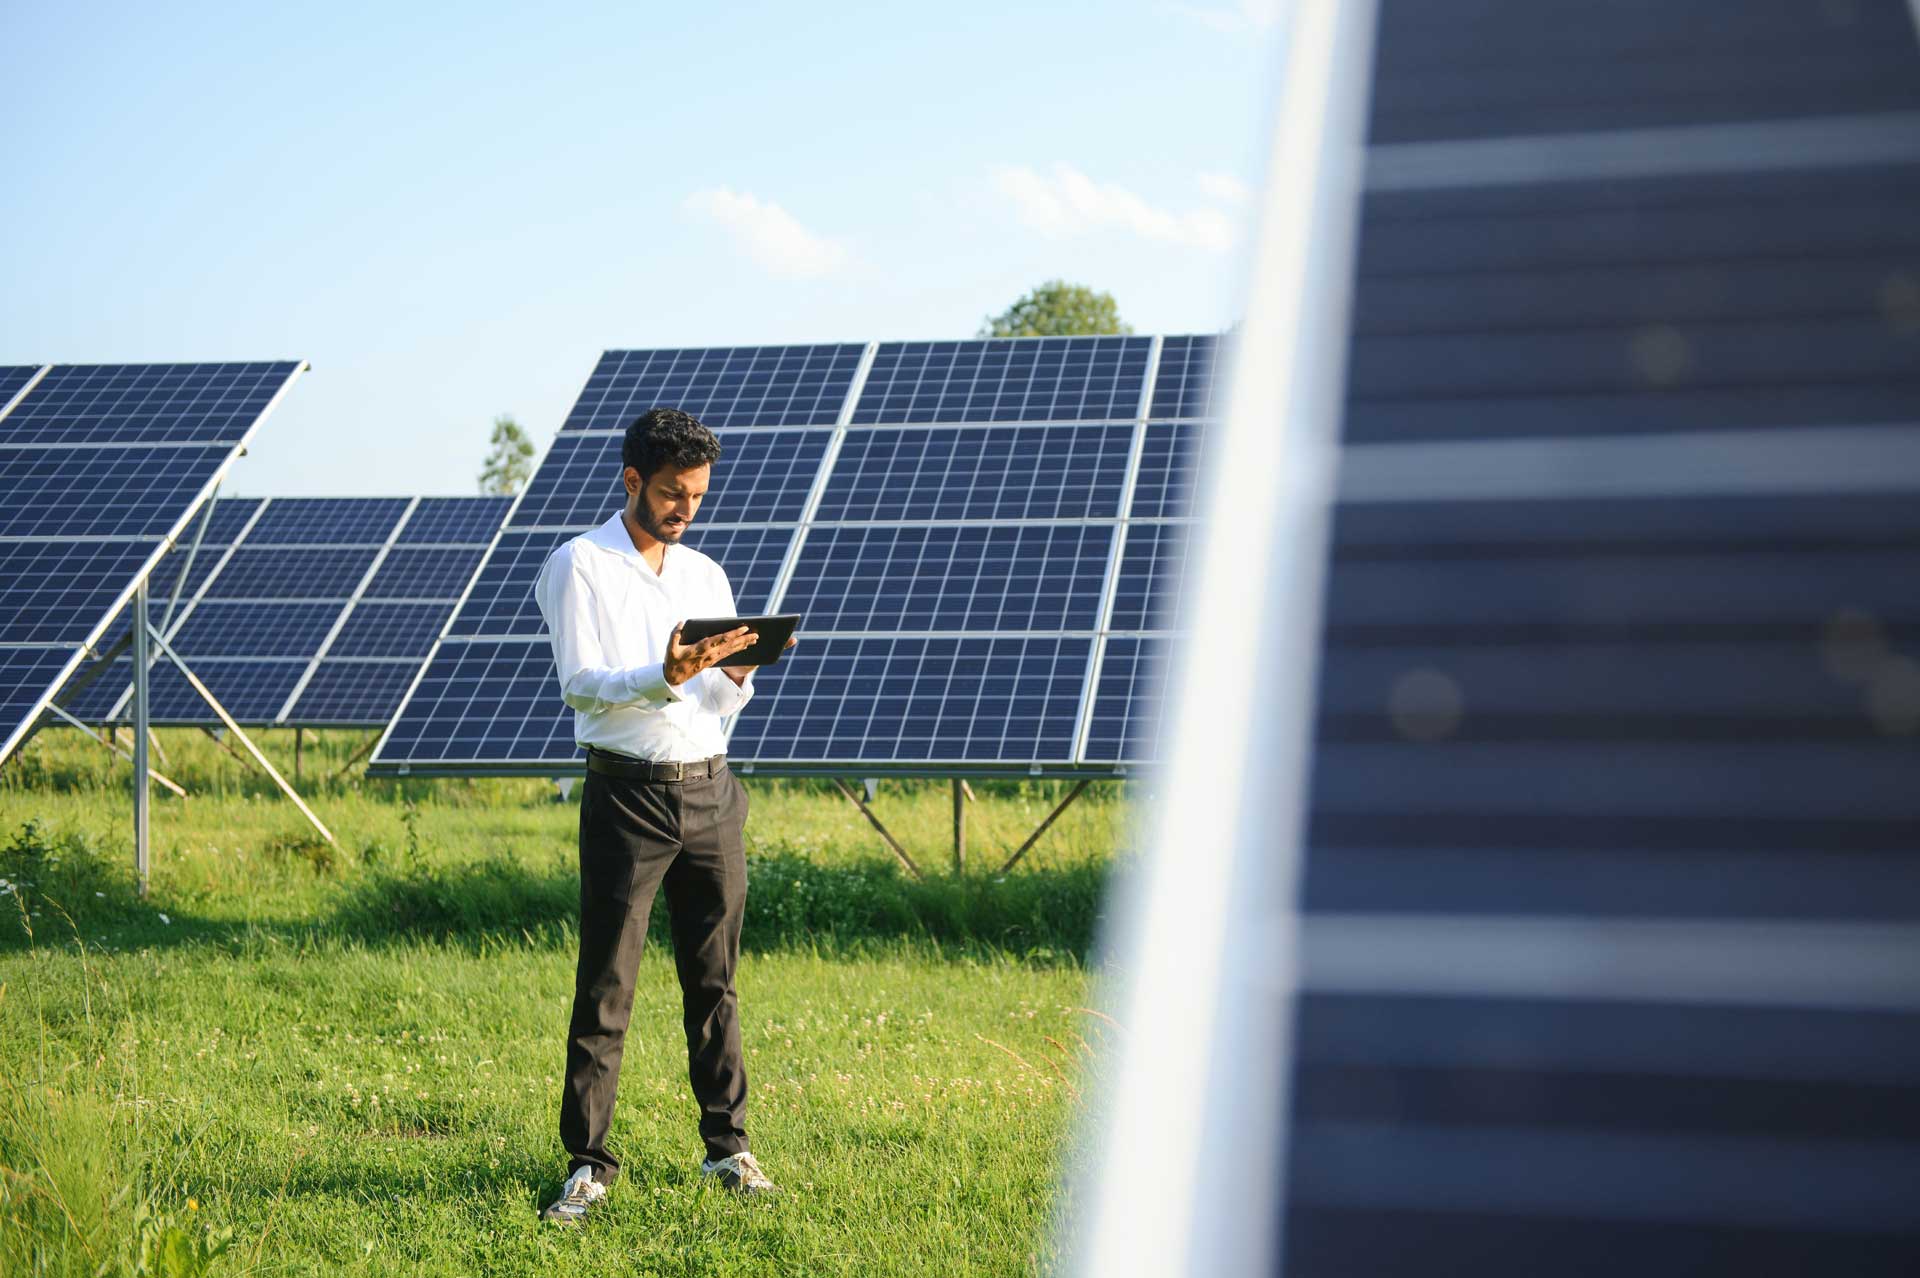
(349, 1055)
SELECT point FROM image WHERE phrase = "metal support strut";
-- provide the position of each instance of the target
(867, 812)
(140, 716)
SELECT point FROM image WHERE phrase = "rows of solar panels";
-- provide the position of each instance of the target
(978, 536)
(102, 467)
(300, 611)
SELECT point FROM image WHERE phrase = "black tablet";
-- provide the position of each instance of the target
(773, 631)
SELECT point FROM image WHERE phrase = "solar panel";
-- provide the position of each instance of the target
(1152, 566)
(484, 701)
(330, 521)
(1184, 383)
(125, 493)
(376, 628)
(1124, 724)
(101, 468)
(867, 579)
(14, 378)
(95, 404)
(409, 573)
(273, 629)
(271, 572)
(904, 700)
(763, 476)
(462, 521)
(57, 591)
(1165, 484)
(1598, 953)
(1051, 379)
(722, 386)
(988, 472)
(350, 693)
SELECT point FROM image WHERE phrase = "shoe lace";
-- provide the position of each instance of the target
(748, 1170)
(580, 1191)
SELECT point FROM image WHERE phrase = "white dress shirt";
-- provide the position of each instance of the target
(609, 615)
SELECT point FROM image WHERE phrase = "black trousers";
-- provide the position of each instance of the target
(637, 837)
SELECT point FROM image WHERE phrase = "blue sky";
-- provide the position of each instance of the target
(452, 213)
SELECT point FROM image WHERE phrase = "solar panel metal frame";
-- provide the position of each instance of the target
(162, 545)
(1075, 764)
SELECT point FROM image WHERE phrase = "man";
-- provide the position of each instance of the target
(659, 808)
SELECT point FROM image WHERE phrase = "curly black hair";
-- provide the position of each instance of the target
(667, 436)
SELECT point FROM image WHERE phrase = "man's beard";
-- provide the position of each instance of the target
(656, 528)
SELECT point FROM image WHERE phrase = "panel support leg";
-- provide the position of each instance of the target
(298, 739)
(60, 713)
(867, 812)
(141, 790)
(365, 749)
(194, 681)
(959, 826)
(1051, 817)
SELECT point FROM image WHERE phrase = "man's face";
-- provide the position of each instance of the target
(663, 503)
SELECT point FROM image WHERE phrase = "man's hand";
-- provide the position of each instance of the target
(684, 662)
(739, 673)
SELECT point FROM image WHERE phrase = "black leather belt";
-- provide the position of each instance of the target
(623, 765)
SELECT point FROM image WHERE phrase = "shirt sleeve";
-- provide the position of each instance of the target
(587, 682)
(717, 692)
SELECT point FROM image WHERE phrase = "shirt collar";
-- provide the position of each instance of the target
(613, 535)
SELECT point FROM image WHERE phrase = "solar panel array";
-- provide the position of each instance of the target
(954, 521)
(1610, 882)
(306, 611)
(101, 466)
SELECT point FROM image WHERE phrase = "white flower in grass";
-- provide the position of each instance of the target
(166, 920)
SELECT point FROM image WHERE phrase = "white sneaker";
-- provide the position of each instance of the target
(740, 1173)
(579, 1193)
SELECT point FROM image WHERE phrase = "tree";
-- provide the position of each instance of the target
(1058, 309)
(509, 458)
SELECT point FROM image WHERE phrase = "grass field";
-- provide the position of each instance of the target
(296, 1057)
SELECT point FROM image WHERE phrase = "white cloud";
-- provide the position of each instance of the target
(1067, 202)
(770, 235)
(1224, 187)
(1247, 15)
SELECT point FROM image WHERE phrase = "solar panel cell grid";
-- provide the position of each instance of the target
(722, 386)
(376, 629)
(1152, 566)
(1164, 485)
(223, 629)
(1024, 380)
(410, 573)
(1184, 384)
(14, 377)
(337, 521)
(55, 592)
(501, 599)
(950, 578)
(100, 492)
(353, 692)
(762, 477)
(1007, 700)
(486, 701)
(979, 473)
(25, 675)
(145, 403)
(306, 574)
(455, 520)
(1127, 700)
